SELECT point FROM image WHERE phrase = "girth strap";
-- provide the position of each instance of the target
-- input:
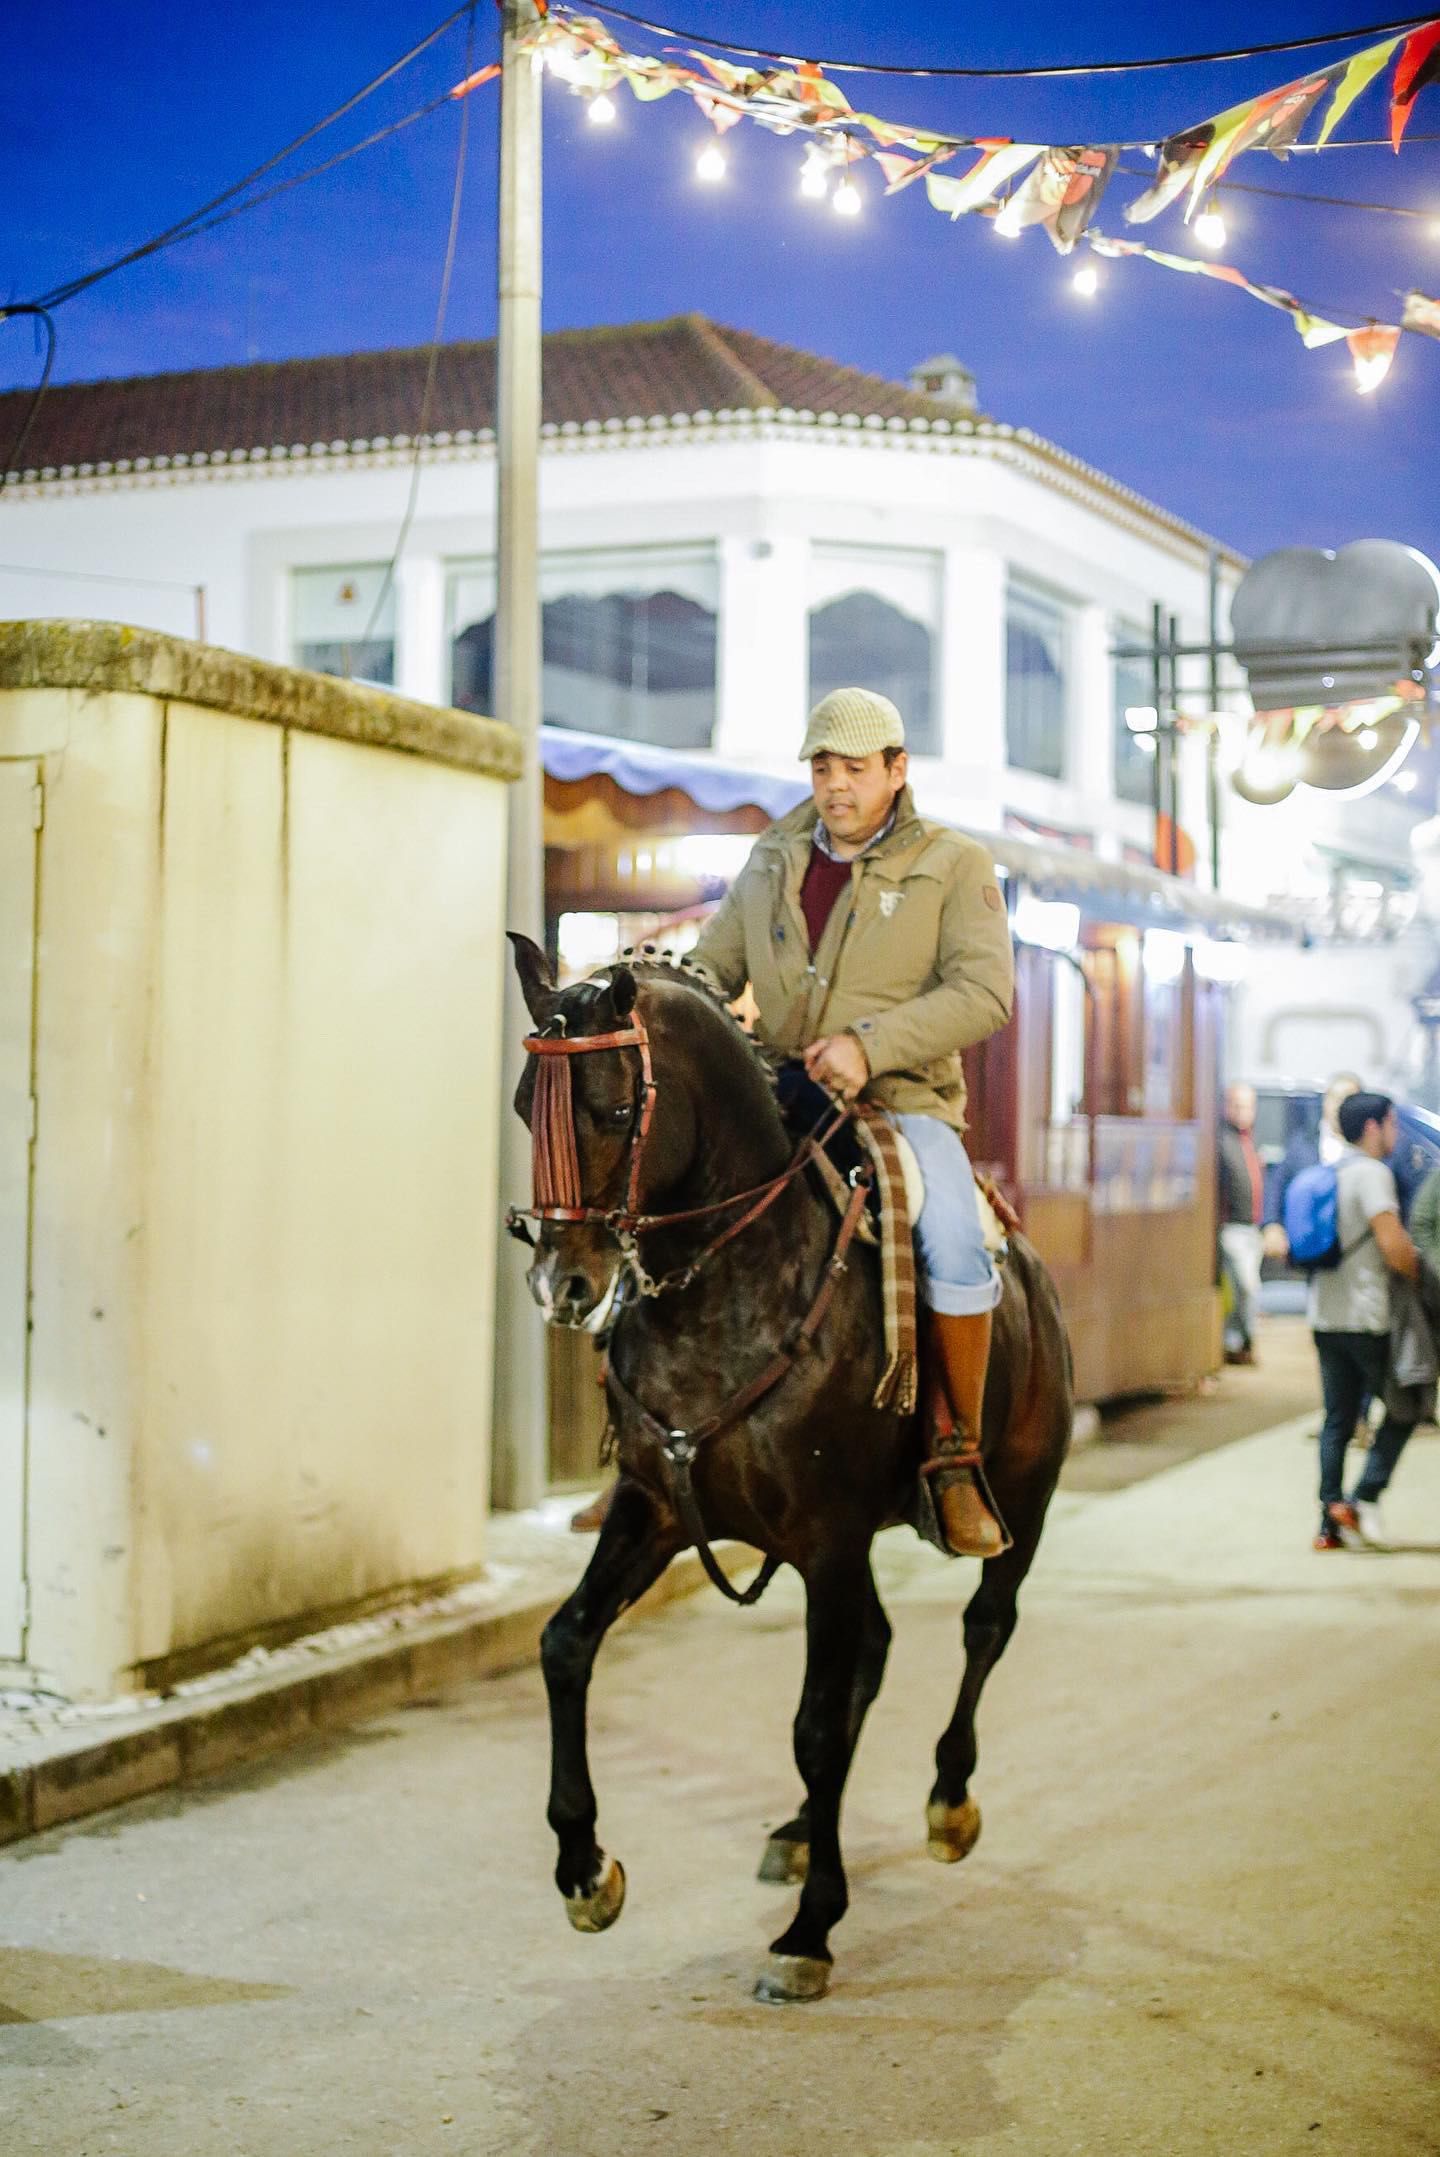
(680, 1448)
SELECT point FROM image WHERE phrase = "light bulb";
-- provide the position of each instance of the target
(1087, 280)
(601, 111)
(814, 176)
(710, 164)
(849, 201)
(1210, 228)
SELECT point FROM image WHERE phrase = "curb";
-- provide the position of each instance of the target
(190, 1740)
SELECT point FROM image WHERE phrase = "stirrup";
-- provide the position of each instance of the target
(962, 1460)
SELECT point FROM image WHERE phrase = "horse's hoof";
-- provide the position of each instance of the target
(786, 1862)
(792, 1977)
(953, 1830)
(597, 1911)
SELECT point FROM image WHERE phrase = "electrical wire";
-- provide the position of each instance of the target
(186, 225)
(46, 321)
(1012, 74)
(1334, 202)
(436, 337)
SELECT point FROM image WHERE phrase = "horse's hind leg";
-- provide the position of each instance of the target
(630, 1554)
(786, 1858)
(952, 1817)
(825, 1730)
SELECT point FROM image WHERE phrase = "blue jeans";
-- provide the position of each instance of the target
(1352, 1368)
(957, 1273)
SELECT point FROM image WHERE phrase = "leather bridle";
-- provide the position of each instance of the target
(556, 1162)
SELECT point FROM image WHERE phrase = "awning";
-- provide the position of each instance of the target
(637, 769)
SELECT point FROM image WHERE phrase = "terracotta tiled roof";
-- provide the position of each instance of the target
(641, 371)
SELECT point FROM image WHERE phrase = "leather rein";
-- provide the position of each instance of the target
(558, 1197)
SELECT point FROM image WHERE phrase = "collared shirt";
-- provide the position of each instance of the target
(821, 838)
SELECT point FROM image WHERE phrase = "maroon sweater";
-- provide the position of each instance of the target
(824, 881)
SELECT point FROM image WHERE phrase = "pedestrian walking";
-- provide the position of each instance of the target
(1241, 1195)
(1425, 1219)
(1350, 1314)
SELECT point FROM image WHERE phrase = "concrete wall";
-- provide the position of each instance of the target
(261, 1021)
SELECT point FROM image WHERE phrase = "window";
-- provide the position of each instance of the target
(1035, 695)
(629, 642)
(1134, 753)
(874, 624)
(337, 626)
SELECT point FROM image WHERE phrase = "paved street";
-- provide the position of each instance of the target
(1201, 1916)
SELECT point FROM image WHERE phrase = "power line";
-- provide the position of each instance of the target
(47, 322)
(437, 334)
(186, 225)
(1015, 74)
(1334, 202)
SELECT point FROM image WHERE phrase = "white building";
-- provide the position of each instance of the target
(729, 527)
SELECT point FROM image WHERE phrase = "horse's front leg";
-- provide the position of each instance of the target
(633, 1551)
(838, 1591)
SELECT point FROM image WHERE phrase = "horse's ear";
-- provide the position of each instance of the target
(536, 983)
(622, 991)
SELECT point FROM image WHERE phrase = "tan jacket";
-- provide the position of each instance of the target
(917, 966)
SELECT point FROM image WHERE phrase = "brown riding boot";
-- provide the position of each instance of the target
(971, 1526)
(591, 1518)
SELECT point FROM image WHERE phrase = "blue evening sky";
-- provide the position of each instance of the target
(119, 120)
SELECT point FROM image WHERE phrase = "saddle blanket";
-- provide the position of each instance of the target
(900, 1192)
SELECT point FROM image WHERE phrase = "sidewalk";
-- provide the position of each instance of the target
(60, 1761)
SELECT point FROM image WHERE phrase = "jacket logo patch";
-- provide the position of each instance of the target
(991, 895)
(889, 900)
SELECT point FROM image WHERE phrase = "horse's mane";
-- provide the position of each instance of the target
(648, 964)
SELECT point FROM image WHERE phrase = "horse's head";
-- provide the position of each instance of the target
(605, 1143)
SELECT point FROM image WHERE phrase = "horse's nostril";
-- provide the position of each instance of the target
(574, 1288)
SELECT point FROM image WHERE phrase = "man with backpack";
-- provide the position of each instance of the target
(1343, 1224)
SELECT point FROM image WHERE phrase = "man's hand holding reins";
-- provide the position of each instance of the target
(839, 1062)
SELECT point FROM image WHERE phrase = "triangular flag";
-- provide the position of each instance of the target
(1359, 73)
(989, 173)
(1316, 331)
(1178, 159)
(1269, 122)
(1419, 65)
(1421, 314)
(1062, 194)
(1372, 349)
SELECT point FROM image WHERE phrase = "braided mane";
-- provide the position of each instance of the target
(647, 964)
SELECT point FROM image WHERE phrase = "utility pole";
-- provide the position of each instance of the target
(520, 1438)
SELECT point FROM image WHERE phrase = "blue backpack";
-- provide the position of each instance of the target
(1312, 1219)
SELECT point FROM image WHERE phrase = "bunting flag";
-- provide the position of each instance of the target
(1314, 330)
(1062, 185)
(1061, 195)
(1359, 74)
(1419, 65)
(1421, 314)
(1178, 159)
(1372, 350)
(984, 180)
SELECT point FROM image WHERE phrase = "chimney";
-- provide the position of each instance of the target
(947, 378)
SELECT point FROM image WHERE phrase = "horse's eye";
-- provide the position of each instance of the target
(620, 1115)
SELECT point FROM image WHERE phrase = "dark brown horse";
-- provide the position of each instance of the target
(810, 1471)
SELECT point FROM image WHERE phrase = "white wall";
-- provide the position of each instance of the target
(261, 1223)
(761, 493)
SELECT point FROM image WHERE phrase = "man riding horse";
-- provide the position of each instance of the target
(877, 947)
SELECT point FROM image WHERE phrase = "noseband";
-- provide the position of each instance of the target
(555, 1158)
